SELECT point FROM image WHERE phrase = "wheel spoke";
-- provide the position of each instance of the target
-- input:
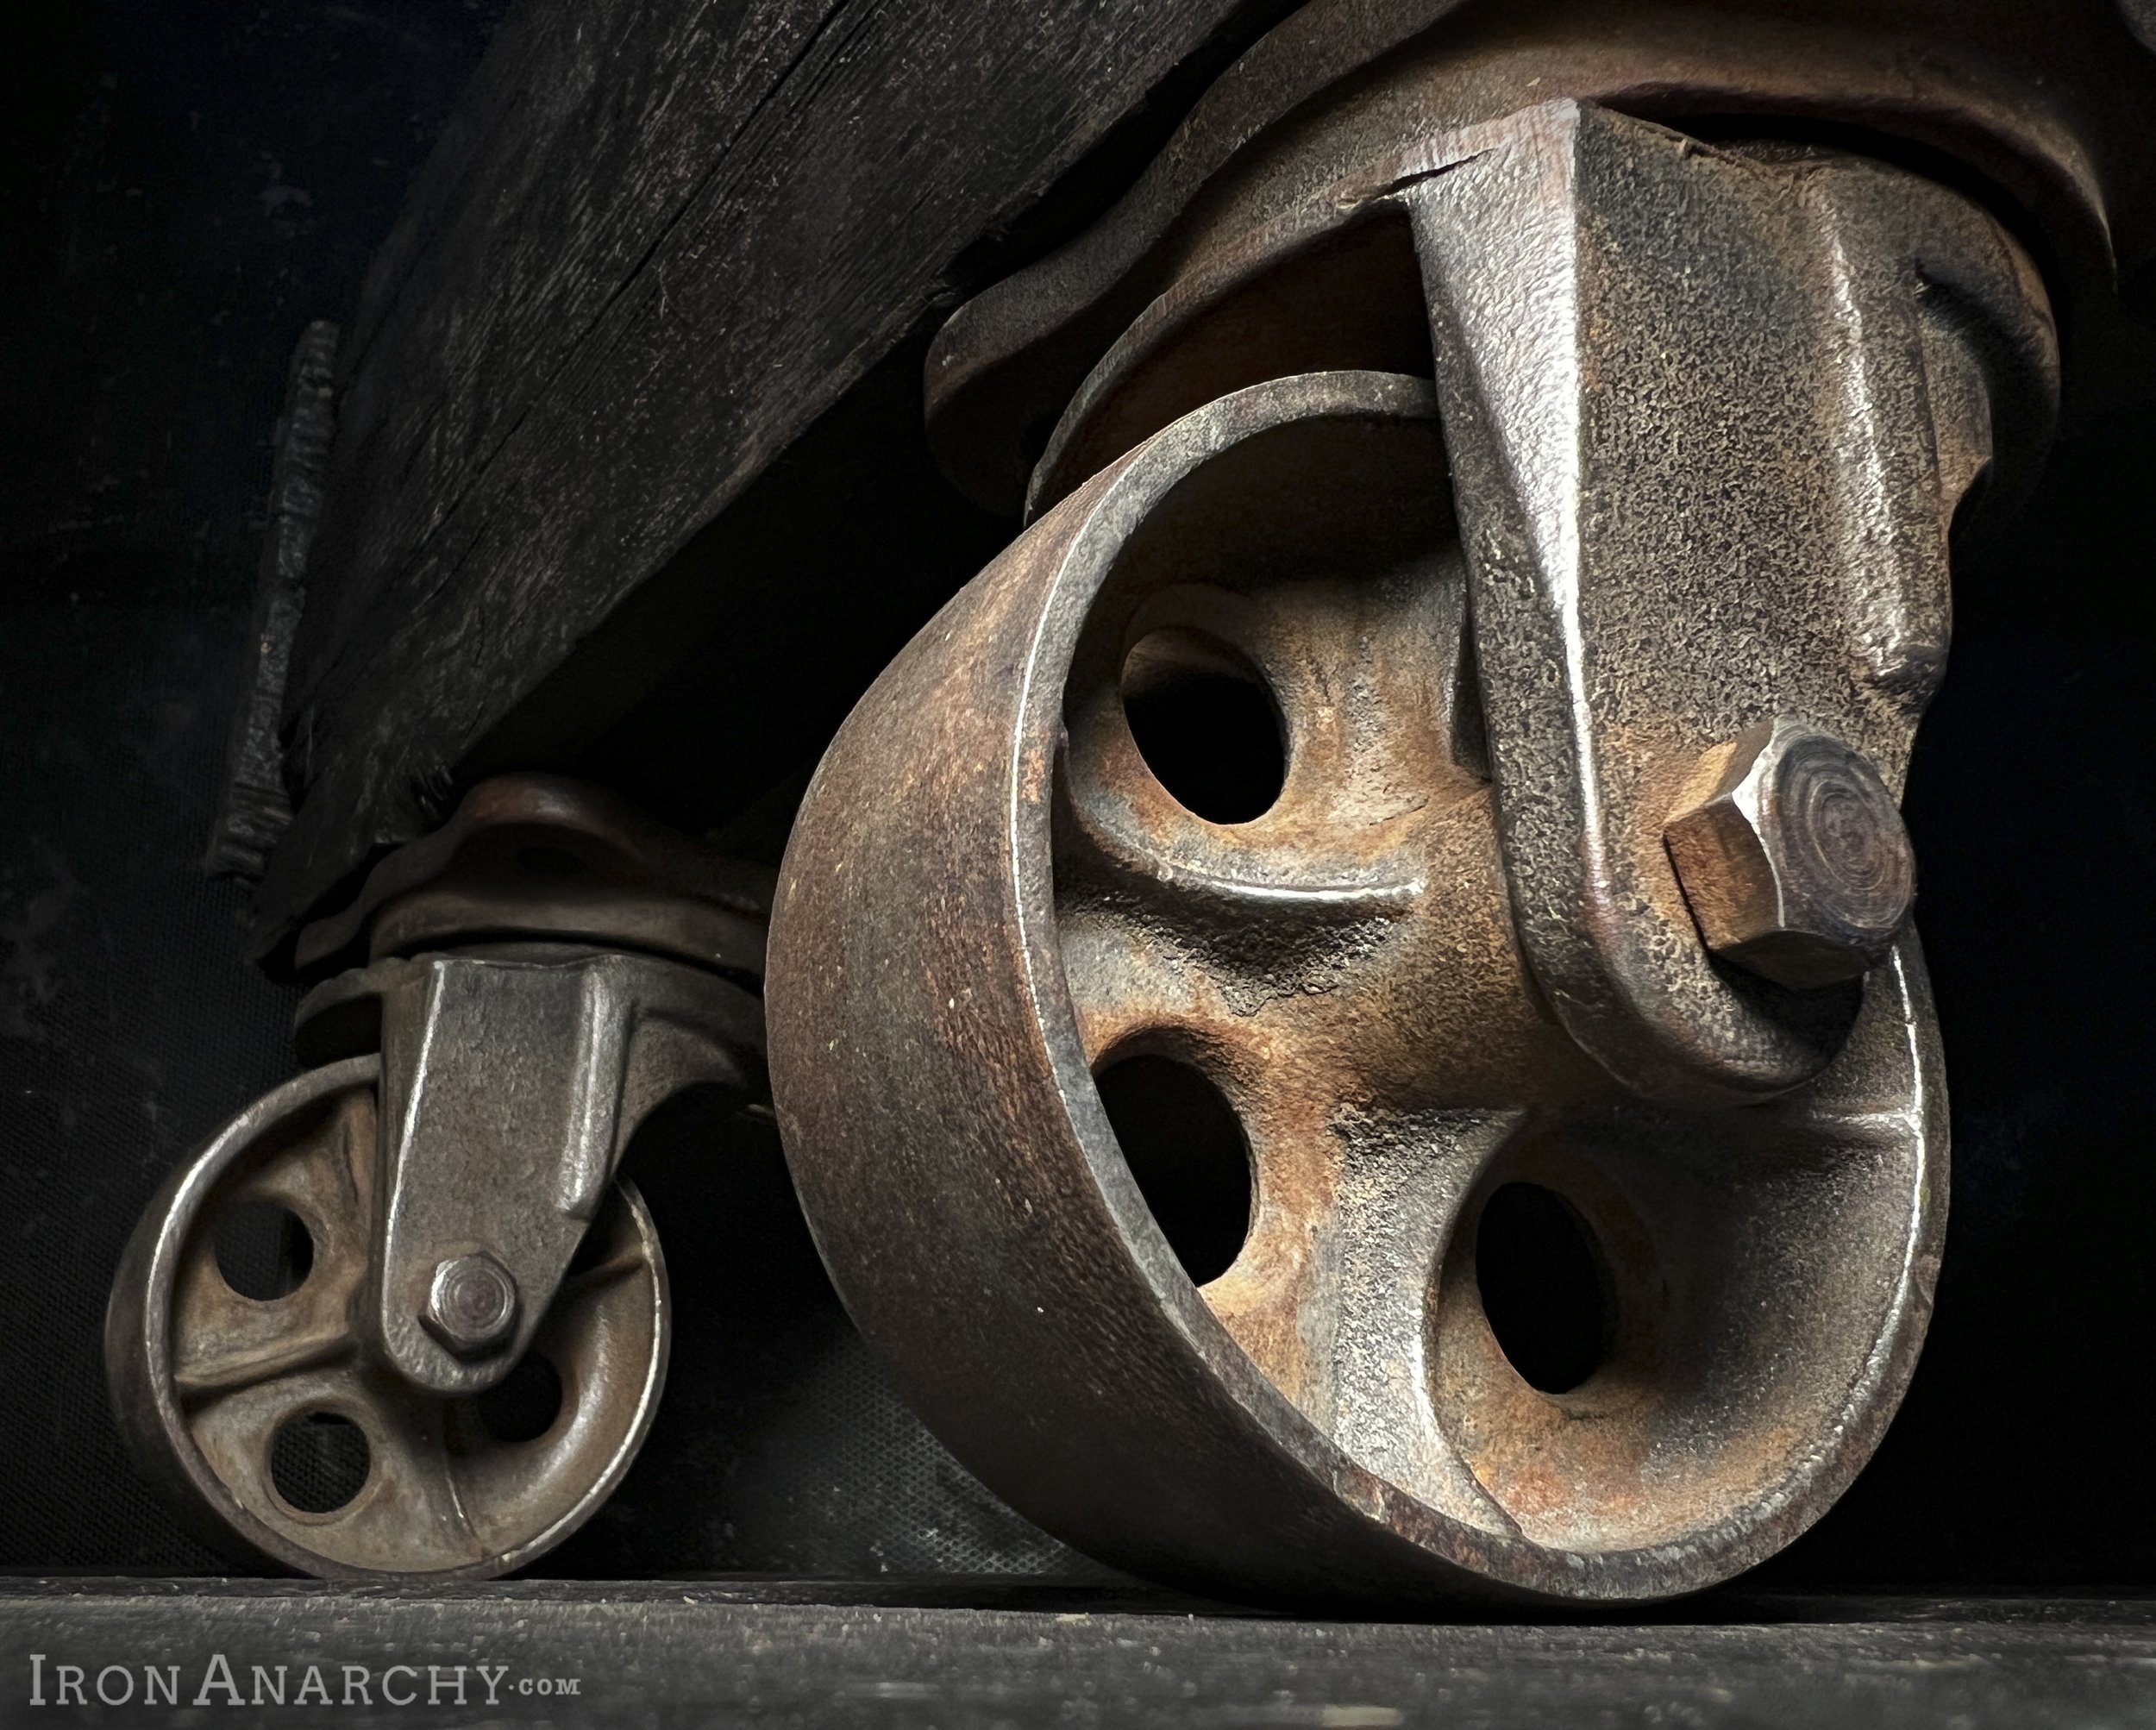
(222, 1341)
(601, 1337)
(245, 1368)
(1311, 934)
(1357, 1018)
(204, 1374)
(1359, 677)
(1332, 1295)
(406, 1517)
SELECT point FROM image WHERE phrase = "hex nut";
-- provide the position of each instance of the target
(471, 1304)
(1797, 866)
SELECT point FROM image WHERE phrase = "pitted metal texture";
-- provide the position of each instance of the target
(1028, 914)
(1256, 902)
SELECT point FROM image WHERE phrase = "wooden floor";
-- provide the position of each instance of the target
(968, 1655)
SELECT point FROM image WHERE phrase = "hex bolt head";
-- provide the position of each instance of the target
(1796, 866)
(471, 1304)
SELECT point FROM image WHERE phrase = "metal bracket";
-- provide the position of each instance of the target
(511, 1089)
(1711, 415)
(1709, 419)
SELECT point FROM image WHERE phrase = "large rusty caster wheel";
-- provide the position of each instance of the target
(1172, 1099)
(247, 1386)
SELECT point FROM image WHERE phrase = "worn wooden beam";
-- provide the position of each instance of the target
(256, 809)
(660, 240)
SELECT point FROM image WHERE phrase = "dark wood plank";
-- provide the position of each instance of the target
(585, 133)
(760, 677)
(829, 1655)
(254, 809)
(663, 238)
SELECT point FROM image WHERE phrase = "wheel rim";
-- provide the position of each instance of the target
(1334, 1413)
(249, 1405)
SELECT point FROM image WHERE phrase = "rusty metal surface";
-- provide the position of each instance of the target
(209, 1383)
(2041, 110)
(467, 1320)
(1706, 416)
(539, 855)
(511, 1089)
(992, 902)
(1797, 865)
(1704, 424)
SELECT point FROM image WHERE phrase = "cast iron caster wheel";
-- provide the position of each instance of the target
(245, 1389)
(1169, 1097)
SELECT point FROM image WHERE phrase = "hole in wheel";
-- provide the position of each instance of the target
(1545, 1292)
(319, 1462)
(1207, 726)
(1185, 1146)
(263, 1250)
(523, 1406)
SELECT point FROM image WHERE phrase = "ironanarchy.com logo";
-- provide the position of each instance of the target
(219, 1683)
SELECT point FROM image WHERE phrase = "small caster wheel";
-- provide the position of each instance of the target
(248, 1386)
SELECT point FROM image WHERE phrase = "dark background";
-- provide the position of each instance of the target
(182, 187)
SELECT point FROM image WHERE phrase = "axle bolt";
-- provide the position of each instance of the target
(471, 1304)
(1796, 866)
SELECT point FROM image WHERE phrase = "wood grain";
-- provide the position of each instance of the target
(661, 238)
